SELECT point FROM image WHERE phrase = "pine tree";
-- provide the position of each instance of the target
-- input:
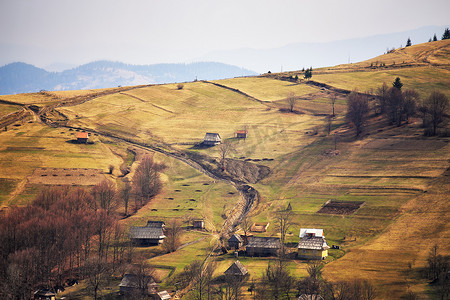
(446, 34)
(434, 38)
(408, 42)
(397, 83)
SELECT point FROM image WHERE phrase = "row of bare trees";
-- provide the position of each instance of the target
(70, 233)
(399, 106)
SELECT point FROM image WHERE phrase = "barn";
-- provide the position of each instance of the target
(241, 134)
(211, 139)
(263, 246)
(235, 241)
(150, 235)
(82, 137)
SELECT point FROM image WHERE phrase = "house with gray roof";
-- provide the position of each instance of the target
(262, 246)
(132, 284)
(150, 235)
(313, 247)
(236, 269)
(235, 241)
(211, 139)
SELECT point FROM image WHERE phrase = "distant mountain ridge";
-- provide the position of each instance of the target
(20, 77)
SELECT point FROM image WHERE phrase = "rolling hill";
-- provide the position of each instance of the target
(399, 174)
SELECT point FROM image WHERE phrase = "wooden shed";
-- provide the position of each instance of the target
(211, 139)
(82, 137)
(241, 134)
(132, 284)
(235, 241)
(236, 269)
(198, 224)
(263, 246)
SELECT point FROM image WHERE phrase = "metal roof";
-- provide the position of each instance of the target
(313, 243)
(308, 231)
(212, 137)
(146, 233)
(264, 242)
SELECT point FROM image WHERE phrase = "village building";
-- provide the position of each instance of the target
(150, 235)
(263, 246)
(310, 297)
(44, 295)
(163, 295)
(241, 134)
(259, 227)
(82, 137)
(235, 241)
(236, 269)
(198, 224)
(132, 284)
(312, 244)
(211, 139)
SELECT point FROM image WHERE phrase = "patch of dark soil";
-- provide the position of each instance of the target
(191, 209)
(170, 198)
(192, 200)
(185, 185)
(200, 146)
(206, 183)
(154, 209)
(336, 207)
(288, 111)
(198, 191)
(177, 190)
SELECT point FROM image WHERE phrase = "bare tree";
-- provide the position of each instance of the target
(291, 101)
(333, 101)
(283, 221)
(433, 110)
(382, 93)
(357, 110)
(105, 195)
(125, 194)
(225, 149)
(173, 233)
(246, 223)
(146, 181)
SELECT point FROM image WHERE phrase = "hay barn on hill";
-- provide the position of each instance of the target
(241, 134)
(82, 137)
(211, 139)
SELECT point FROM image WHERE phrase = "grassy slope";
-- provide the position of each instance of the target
(388, 169)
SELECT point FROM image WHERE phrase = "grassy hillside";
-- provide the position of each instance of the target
(399, 174)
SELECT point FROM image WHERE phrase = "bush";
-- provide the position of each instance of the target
(180, 86)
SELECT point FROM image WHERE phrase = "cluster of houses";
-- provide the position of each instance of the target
(312, 244)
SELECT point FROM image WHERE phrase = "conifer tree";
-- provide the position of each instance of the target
(434, 38)
(397, 83)
(408, 42)
(446, 34)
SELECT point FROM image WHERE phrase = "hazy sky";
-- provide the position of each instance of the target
(42, 32)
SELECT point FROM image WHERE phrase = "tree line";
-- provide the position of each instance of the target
(67, 234)
(398, 105)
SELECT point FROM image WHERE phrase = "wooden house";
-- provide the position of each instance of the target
(163, 295)
(241, 134)
(44, 295)
(82, 137)
(236, 269)
(235, 241)
(310, 297)
(198, 224)
(150, 235)
(263, 246)
(132, 284)
(211, 139)
(259, 227)
(312, 244)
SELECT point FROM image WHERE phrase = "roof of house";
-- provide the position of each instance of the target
(310, 231)
(82, 135)
(132, 281)
(44, 293)
(264, 242)
(241, 131)
(164, 295)
(156, 224)
(310, 297)
(236, 238)
(313, 243)
(146, 233)
(212, 137)
(236, 269)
